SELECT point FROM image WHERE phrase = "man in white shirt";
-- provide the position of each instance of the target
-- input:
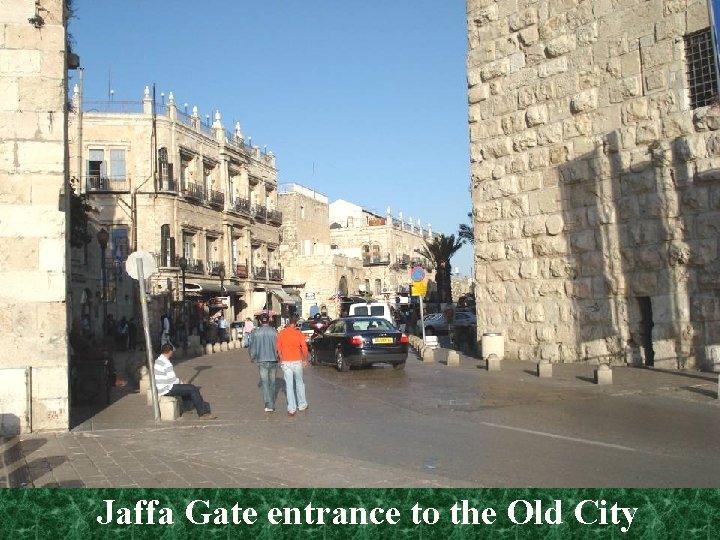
(169, 384)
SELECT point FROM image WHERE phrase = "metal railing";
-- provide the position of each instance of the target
(217, 197)
(260, 272)
(243, 206)
(166, 261)
(107, 183)
(194, 191)
(241, 271)
(276, 274)
(195, 266)
(376, 260)
(260, 212)
(274, 216)
(169, 185)
(213, 267)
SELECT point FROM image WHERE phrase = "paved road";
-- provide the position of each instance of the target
(429, 425)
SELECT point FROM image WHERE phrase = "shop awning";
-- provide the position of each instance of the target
(282, 295)
(211, 288)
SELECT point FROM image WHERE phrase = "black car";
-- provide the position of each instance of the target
(359, 341)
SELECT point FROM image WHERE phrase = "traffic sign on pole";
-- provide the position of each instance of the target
(417, 274)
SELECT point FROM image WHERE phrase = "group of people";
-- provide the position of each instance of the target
(121, 334)
(268, 348)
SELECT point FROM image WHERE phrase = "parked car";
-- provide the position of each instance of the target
(435, 324)
(359, 341)
(372, 309)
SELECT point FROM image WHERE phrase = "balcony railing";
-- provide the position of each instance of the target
(243, 206)
(217, 197)
(260, 212)
(276, 274)
(274, 216)
(166, 261)
(376, 260)
(403, 262)
(168, 185)
(194, 191)
(107, 183)
(213, 267)
(241, 271)
(260, 272)
(195, 266)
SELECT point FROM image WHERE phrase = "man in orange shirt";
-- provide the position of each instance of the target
(293, 354)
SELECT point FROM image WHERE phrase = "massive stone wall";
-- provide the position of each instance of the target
(33, 247)
(595, 187)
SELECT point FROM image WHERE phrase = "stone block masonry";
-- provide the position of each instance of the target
(33, 226)
(594, 183)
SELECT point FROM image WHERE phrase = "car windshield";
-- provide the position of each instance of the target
(381, 325)
(306, 326)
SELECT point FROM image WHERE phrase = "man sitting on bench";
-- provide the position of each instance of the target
(169, 384)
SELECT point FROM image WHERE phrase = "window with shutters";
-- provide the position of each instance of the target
(167, 248)
(167, 179)
(106, 170)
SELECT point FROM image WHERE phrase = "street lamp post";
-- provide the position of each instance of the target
(102, 238)
(221, 275)
(183, 263)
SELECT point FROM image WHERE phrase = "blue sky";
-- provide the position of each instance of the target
(364, 101)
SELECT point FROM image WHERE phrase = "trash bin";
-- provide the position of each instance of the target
(492, 343)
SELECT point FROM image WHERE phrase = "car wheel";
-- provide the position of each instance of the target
(340, 362)
(399, 366)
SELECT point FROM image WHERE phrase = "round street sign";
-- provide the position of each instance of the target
(417, 273)
(149, 265)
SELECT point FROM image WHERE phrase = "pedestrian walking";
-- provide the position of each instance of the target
(293, 353)
(248, 327)
(222, 328)
(165, 330)
(263, 351)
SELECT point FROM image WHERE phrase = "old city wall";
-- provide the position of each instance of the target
(595, 187)
(33, 227)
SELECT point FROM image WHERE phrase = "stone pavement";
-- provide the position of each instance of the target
(122, 446)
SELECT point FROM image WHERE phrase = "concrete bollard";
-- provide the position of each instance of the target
(428, 355)
(208, 348)
(453, 358)
(169, 408)
(232, 345)
(603, 374)
(493, 363)
(544, 369)
(223, 346)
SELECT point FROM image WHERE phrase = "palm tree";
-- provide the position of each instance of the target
(467, 232)
(440, 250)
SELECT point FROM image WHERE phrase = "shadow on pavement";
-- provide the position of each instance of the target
(702, 391)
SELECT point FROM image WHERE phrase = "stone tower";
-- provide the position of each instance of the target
(595, 181)
(33, 231)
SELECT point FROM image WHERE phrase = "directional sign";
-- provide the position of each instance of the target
(419, 288)
(417, 274)
(149, 265)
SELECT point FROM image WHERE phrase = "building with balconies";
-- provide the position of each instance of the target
(339, 249)
(201, 198)
(386, 245)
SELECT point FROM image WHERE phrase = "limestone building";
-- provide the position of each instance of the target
(33, 228)
(385, 244)
(191, 193)
(595, 182)
(340, 248)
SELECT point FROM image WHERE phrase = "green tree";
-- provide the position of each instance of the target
(440, 250)
(467, 232)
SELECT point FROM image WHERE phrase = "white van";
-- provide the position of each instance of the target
(371, 309)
